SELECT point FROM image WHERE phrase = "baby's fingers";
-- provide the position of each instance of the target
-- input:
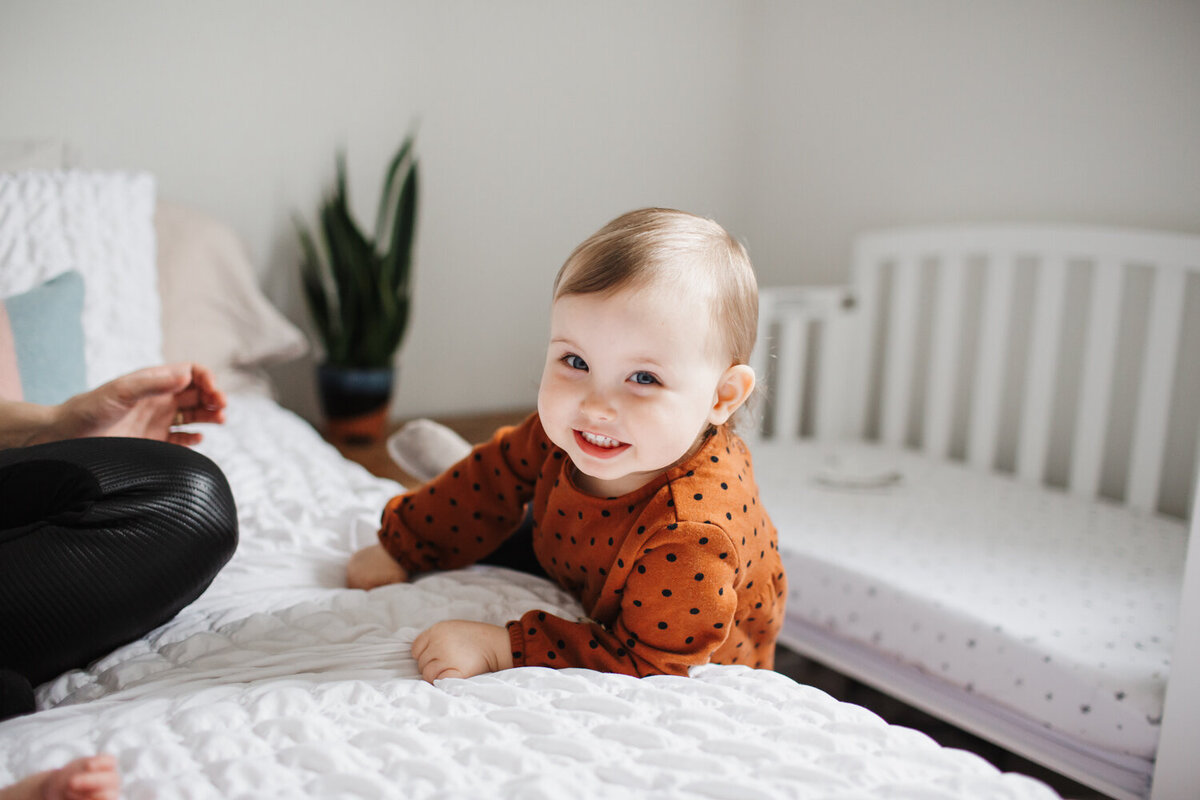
(97, 780)
(437, 668)
(448, 672)
(112, 793)
(104, 761)
(86, 782)
(105, 792)
(420, 644)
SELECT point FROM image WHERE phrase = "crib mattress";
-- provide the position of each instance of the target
(1059, 609)
(279, 682)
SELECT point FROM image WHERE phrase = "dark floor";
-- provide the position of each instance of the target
(811, 673)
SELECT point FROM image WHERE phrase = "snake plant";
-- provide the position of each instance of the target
(359, 289)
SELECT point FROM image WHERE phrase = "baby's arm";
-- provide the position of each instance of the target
(466, 512)
(93, 778)
(677, 606)
(372, 566)
(458, 648)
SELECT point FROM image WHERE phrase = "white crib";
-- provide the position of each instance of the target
(980, 456)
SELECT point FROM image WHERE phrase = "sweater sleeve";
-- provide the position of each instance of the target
(677, 605)
(467, 511)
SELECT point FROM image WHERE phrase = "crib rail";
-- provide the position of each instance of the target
(808, 334)
(1060, 354)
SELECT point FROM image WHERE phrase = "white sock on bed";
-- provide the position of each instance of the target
(425, 449)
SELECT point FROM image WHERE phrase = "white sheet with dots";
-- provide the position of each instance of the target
(1059, 609)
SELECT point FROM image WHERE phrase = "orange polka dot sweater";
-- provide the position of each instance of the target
(683, 571)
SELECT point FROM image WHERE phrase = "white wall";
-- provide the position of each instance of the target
(875, 113)
(539, 121)
(794, 123)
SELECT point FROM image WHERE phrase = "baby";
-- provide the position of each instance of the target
(643, 499)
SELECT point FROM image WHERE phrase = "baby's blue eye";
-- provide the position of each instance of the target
(644, 378)
(575, 362)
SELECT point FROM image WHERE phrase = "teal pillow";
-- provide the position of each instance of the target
(41, 342)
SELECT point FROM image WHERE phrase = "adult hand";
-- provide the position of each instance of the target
(147, 404)
(371, 567)
(458, 648)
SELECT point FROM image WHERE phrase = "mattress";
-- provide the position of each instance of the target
(1060, 610)
(280, 682)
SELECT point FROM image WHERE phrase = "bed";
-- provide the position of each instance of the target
(980, 456)
(280, 682)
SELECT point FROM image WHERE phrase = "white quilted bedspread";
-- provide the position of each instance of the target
(279, 682)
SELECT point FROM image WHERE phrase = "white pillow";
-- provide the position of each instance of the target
(213, 311)
(100, 224)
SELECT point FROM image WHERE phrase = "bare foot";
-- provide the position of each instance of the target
(92, 778)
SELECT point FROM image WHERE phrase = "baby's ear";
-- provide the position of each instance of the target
(733, 389)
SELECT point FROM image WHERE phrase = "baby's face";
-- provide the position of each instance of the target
(629, 385)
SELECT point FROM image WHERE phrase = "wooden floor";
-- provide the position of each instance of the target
(480, 427)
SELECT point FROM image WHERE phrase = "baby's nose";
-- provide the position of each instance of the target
(597, 405)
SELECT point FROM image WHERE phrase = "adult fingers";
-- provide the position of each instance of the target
(163, 379)
(206, 385)
(185, 438)
(193, 411)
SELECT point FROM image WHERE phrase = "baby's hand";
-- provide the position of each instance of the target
(458, 648)
(371, 567)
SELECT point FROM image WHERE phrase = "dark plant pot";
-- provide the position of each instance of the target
(354, 401)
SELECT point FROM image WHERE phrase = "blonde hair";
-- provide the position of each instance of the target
(650, 245)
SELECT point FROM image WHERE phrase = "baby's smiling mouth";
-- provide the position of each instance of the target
(598, 440)
(597, 445)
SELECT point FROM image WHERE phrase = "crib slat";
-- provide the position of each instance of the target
(1037, 403)
(990, 361)
(1095, 391)
(828, 415)
(793, 349)
(943, 361)
(866, 278)
(761, 357)
(901, 350)
(1193, 502)
(1154, 395)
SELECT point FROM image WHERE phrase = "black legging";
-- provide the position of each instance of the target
(101, 540)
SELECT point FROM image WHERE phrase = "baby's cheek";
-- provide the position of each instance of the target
(550, 408)
(676, 432)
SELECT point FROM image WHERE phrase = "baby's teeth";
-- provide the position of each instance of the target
(600, 441)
